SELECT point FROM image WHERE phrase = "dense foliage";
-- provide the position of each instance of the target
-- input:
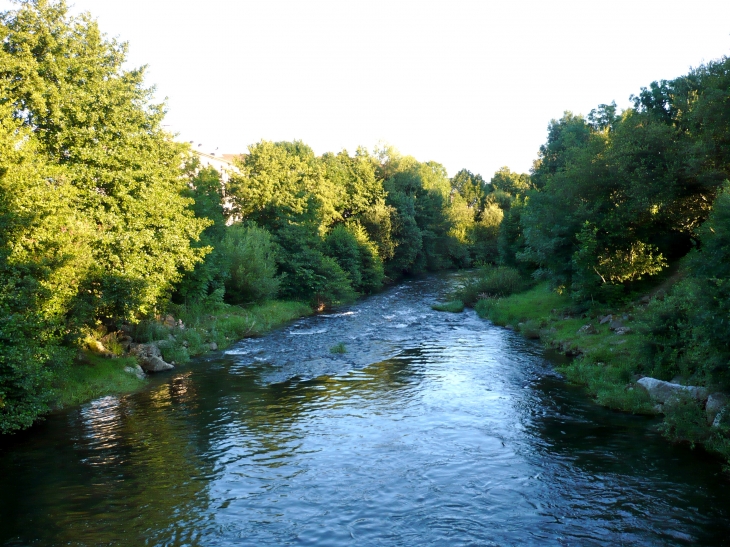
(104, 217)
(618, 197)
(84, 168)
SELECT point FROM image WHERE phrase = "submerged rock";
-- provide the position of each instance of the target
(662, 392)
(150, 358)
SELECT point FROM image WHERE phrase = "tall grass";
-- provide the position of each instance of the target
(491, 281)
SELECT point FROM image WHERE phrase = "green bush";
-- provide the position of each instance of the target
(491, 281)
(338, 348)
(249, 257)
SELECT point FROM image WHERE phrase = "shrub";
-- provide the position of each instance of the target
(491, 281)
(338, 348)
(249, 256)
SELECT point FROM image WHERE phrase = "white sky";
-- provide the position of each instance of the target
(466, 83)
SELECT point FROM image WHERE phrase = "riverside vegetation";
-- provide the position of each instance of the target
(111, 232)
(616, 206)
(618, 251)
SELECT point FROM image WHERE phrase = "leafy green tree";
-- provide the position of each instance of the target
(66, 84)
(93, 223)
(45, 256)
(207, 279)
(472, 188)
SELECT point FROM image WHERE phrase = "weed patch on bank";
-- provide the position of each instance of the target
(454, 306)
(93, 376)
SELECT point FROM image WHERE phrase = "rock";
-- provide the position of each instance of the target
(180, 324)
(185, 344)
(169, 321)
(213, 346)
(662, 392)
(613, 325)
(722, 418)
(588, 329)
(150, 358)
(715, 403)
(622, 330)
(605, 319)
(644, 300)
(136, 370)
(126, 328)
(509, 327)
(660, 295)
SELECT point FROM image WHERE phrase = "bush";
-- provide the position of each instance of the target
(249, 256)
(491, 281)
(338, 348)
(356, 255)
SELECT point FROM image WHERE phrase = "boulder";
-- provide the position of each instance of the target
(662, 392)
(622, 330)
(150, 358)
(715, 403)
(213, 346)
(136, 370)
(613, 325)
(588, 329)
(605, 319)
(169, 321)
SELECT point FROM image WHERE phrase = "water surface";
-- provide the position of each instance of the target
(432, 429)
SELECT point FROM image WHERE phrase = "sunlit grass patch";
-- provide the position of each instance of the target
(537, 303)
(93, 377)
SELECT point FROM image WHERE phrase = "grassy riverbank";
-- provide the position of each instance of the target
(606, 363)
(202, 329)
(608, 360)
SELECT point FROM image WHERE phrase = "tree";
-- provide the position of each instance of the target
(66, 84)
(93, 223)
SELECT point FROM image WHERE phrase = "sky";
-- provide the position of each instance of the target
(469, 84)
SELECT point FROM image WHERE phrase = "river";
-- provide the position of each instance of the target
(431, 429)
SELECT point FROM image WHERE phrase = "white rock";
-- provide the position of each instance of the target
(661, 391)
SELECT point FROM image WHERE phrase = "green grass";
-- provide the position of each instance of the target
(93, 377)
(454, 306)
(606, 362)
(221, 325)
(534, 304)
(338, 348)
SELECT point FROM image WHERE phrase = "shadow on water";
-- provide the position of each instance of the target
(431, 429)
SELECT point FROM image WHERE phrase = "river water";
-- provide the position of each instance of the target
(431, 429)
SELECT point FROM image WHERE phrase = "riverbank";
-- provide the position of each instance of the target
(186, 332)
(608, 346)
